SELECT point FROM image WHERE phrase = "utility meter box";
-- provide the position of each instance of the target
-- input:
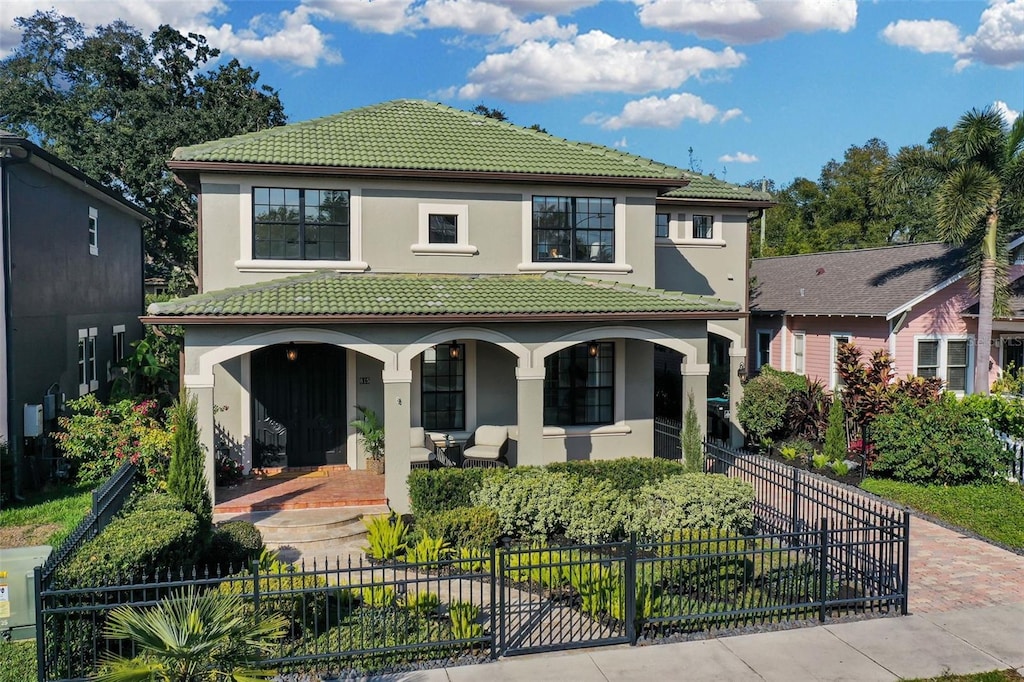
(33, 421)
(18, 590)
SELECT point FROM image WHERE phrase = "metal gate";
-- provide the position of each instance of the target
(666, 438)
(565, 598)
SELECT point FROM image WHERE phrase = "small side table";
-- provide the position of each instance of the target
(449, 455)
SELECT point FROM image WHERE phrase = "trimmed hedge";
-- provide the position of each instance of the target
(132, 546)
(442, 489)
(625, 475)
(156, 501)
(476, 527)
(233, 544)
(694, 501)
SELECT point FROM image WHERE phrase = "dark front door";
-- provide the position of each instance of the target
(298, 406)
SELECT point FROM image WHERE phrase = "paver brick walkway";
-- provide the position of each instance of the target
(315, 488)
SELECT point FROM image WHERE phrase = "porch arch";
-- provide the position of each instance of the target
(639, 333)
(517, 349)
(719, 330)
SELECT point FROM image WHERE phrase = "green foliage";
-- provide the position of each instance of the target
(428, 551)
(233, 545)
(156, 501)
(707, 561)
(473, 560)
(186, 478)
(871, 386)
(117, 103)
(303, 601)
(820, 460)
(693, 450)
(840, 467)
(1005, 413)
(386, 535)
(796, 449)
(626, 475)
(994, 511)
(370, 430)
(835, 435)
(762, 410)
(477, 527)
(191, 637)
(693, 501)
(947, 442)
(464, 617)
(443, 489)
(1010, 381)
(150, 371)
(132, 546)
(791, 380)
(19, 661)
(424, 604)
(98, 438)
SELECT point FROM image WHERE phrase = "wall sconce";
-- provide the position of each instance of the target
(592, 349)
(742, 372)
(291, 352)
(454, 350)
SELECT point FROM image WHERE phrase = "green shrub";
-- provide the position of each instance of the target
(432, 491)
(690, 439)
(464, 617)
(19, 661)
(186, 477)
(791, 380)
(835, 435)
(476, 527)
(762, 410)
(703, 561)
(386, 536)
(304, 600)
(132, 546)
(595, 512)
(1005, 413)
(156, 501)
(626, 475)
(947, 442)
(428, 551)
(694, 501)
(233, 545)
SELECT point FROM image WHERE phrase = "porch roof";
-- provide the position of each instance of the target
(409, 297)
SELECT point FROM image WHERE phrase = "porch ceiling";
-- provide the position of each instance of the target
(326, 295)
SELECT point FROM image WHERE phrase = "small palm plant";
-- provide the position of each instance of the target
(371, 431)
(193, 637)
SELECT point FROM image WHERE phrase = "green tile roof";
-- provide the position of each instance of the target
(419, 135)
(326, 293)
(707, 187)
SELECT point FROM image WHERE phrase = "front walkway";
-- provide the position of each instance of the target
(312, 488)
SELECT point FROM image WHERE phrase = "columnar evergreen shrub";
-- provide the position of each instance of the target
(693, 501)
(693, 451)
(835, 435)
(186, 478)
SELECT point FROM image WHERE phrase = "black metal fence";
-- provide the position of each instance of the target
(819, 552)
(667, 443)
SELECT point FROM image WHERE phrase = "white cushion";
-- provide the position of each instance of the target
(419, 455)
(493, 436)
(483, 452)
(416, 436)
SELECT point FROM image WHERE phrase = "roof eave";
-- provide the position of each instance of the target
(705, 201)
(432, 318)
(924, 295)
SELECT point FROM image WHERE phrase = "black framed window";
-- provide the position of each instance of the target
(703, 227)
(300, 224)
(443, 387)
(579, 388)
(575, 229)
(661, 224)
(443, 229)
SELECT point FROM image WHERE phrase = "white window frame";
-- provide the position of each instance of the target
(680, 229)
(757, 348)
(802, 336)
(942, 371)
(620, 265)
(461, 247)
(87, 360)
(833, 375)
(94, 231)
(117, 350)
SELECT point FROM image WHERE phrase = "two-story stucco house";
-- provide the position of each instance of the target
(451, 272)
(71, 289)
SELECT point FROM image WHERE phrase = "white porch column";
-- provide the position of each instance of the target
(737, 357)
(530, 415)
(695, 379)
(203, 391)
(397, 422)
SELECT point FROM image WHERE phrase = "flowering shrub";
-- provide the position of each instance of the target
(229, 471)
(99, 438)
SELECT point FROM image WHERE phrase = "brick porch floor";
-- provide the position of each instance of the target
(306, 488)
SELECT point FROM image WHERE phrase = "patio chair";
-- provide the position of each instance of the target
(487, 447)
(421, 449)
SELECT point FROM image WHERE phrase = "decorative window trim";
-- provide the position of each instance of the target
(620, 264)
(87, 361)
(802, 335)
(461, 247)
(117, 351)
(833, 347)
(94, 231)
(942, 369)
(757, 348)
(680, 231)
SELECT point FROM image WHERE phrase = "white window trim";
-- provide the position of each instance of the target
(461, 247)
(618, 266)
(112, 371)
(246, 263)
(94, 231)
(680, 230)
(88, 359)
(942, 370)
(82, 350)
(757, 348)
(833, 347)
(802, 335)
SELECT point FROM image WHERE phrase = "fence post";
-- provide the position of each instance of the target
(794, 515)
(255, 584)
(40, 627)
(630, 579)
(905, 567)
(494, 606)
(499, 566)
(823, 568)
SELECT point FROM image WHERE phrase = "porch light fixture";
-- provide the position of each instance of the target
(742, 372)
(291, 352)
(454, 351)
(592, 349)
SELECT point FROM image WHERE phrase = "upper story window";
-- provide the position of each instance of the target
(301, 224)
(574, 229)
(703, 226)
(661, 221)
(94, 231)
(442, 228)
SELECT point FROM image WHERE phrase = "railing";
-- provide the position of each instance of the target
(667, 444)
(1016, 448)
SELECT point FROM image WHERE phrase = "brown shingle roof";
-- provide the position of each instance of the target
(859, 282)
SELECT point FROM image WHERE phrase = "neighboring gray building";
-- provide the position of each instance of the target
(72, 291)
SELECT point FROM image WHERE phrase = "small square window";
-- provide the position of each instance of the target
(661, 224)
(702, 227)
(443, 229)
(94, 229)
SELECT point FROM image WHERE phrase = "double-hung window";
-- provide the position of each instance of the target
(799, 345)
(301, 224)
(579, 385)
(703, 227)
(574, 229)
(88, 380)
(443, 389)
(945, 358)
(661, 221)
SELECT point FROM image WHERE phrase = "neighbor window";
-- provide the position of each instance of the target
(956, 365)
(300, 224)
(579, 385)
(443, 229)
(94, 232)
(118, 339)
(946, 359)
(928, 359)
(576, 229)
(703, 227)
(764, 349)
(88, 380)
(799, 341)
(443, 389)
(836, 381)
(661, 224)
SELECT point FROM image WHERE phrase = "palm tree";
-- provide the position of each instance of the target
(195, 637)
(978, 170)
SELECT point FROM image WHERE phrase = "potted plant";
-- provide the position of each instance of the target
(371, 431)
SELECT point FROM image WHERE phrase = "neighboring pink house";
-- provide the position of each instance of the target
(911, 300)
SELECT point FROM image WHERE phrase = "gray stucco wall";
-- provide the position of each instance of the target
(716, 268)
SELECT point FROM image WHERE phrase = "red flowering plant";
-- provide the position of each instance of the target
(98, 438)
(229, 471)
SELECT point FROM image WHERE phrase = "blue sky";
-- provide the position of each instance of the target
(758, 89)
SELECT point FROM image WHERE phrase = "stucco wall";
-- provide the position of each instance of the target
(715, 267)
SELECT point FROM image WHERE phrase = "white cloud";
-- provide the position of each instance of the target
(747, 21)
(1008, 114)
(378, 16)
(621, 143)
(288, 38)
(999, 40)
(591, 62)
(738, 157)
(730, 115)
(486, 18)
(657, 112)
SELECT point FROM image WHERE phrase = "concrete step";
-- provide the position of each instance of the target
(309, 527)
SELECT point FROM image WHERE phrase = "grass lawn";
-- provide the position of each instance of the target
(46, 517)
(994, 676)
(19, 661)
(994, 511)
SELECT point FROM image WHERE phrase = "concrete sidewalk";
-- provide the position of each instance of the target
(915, 646)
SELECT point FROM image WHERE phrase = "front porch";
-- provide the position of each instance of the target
(304, 488)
